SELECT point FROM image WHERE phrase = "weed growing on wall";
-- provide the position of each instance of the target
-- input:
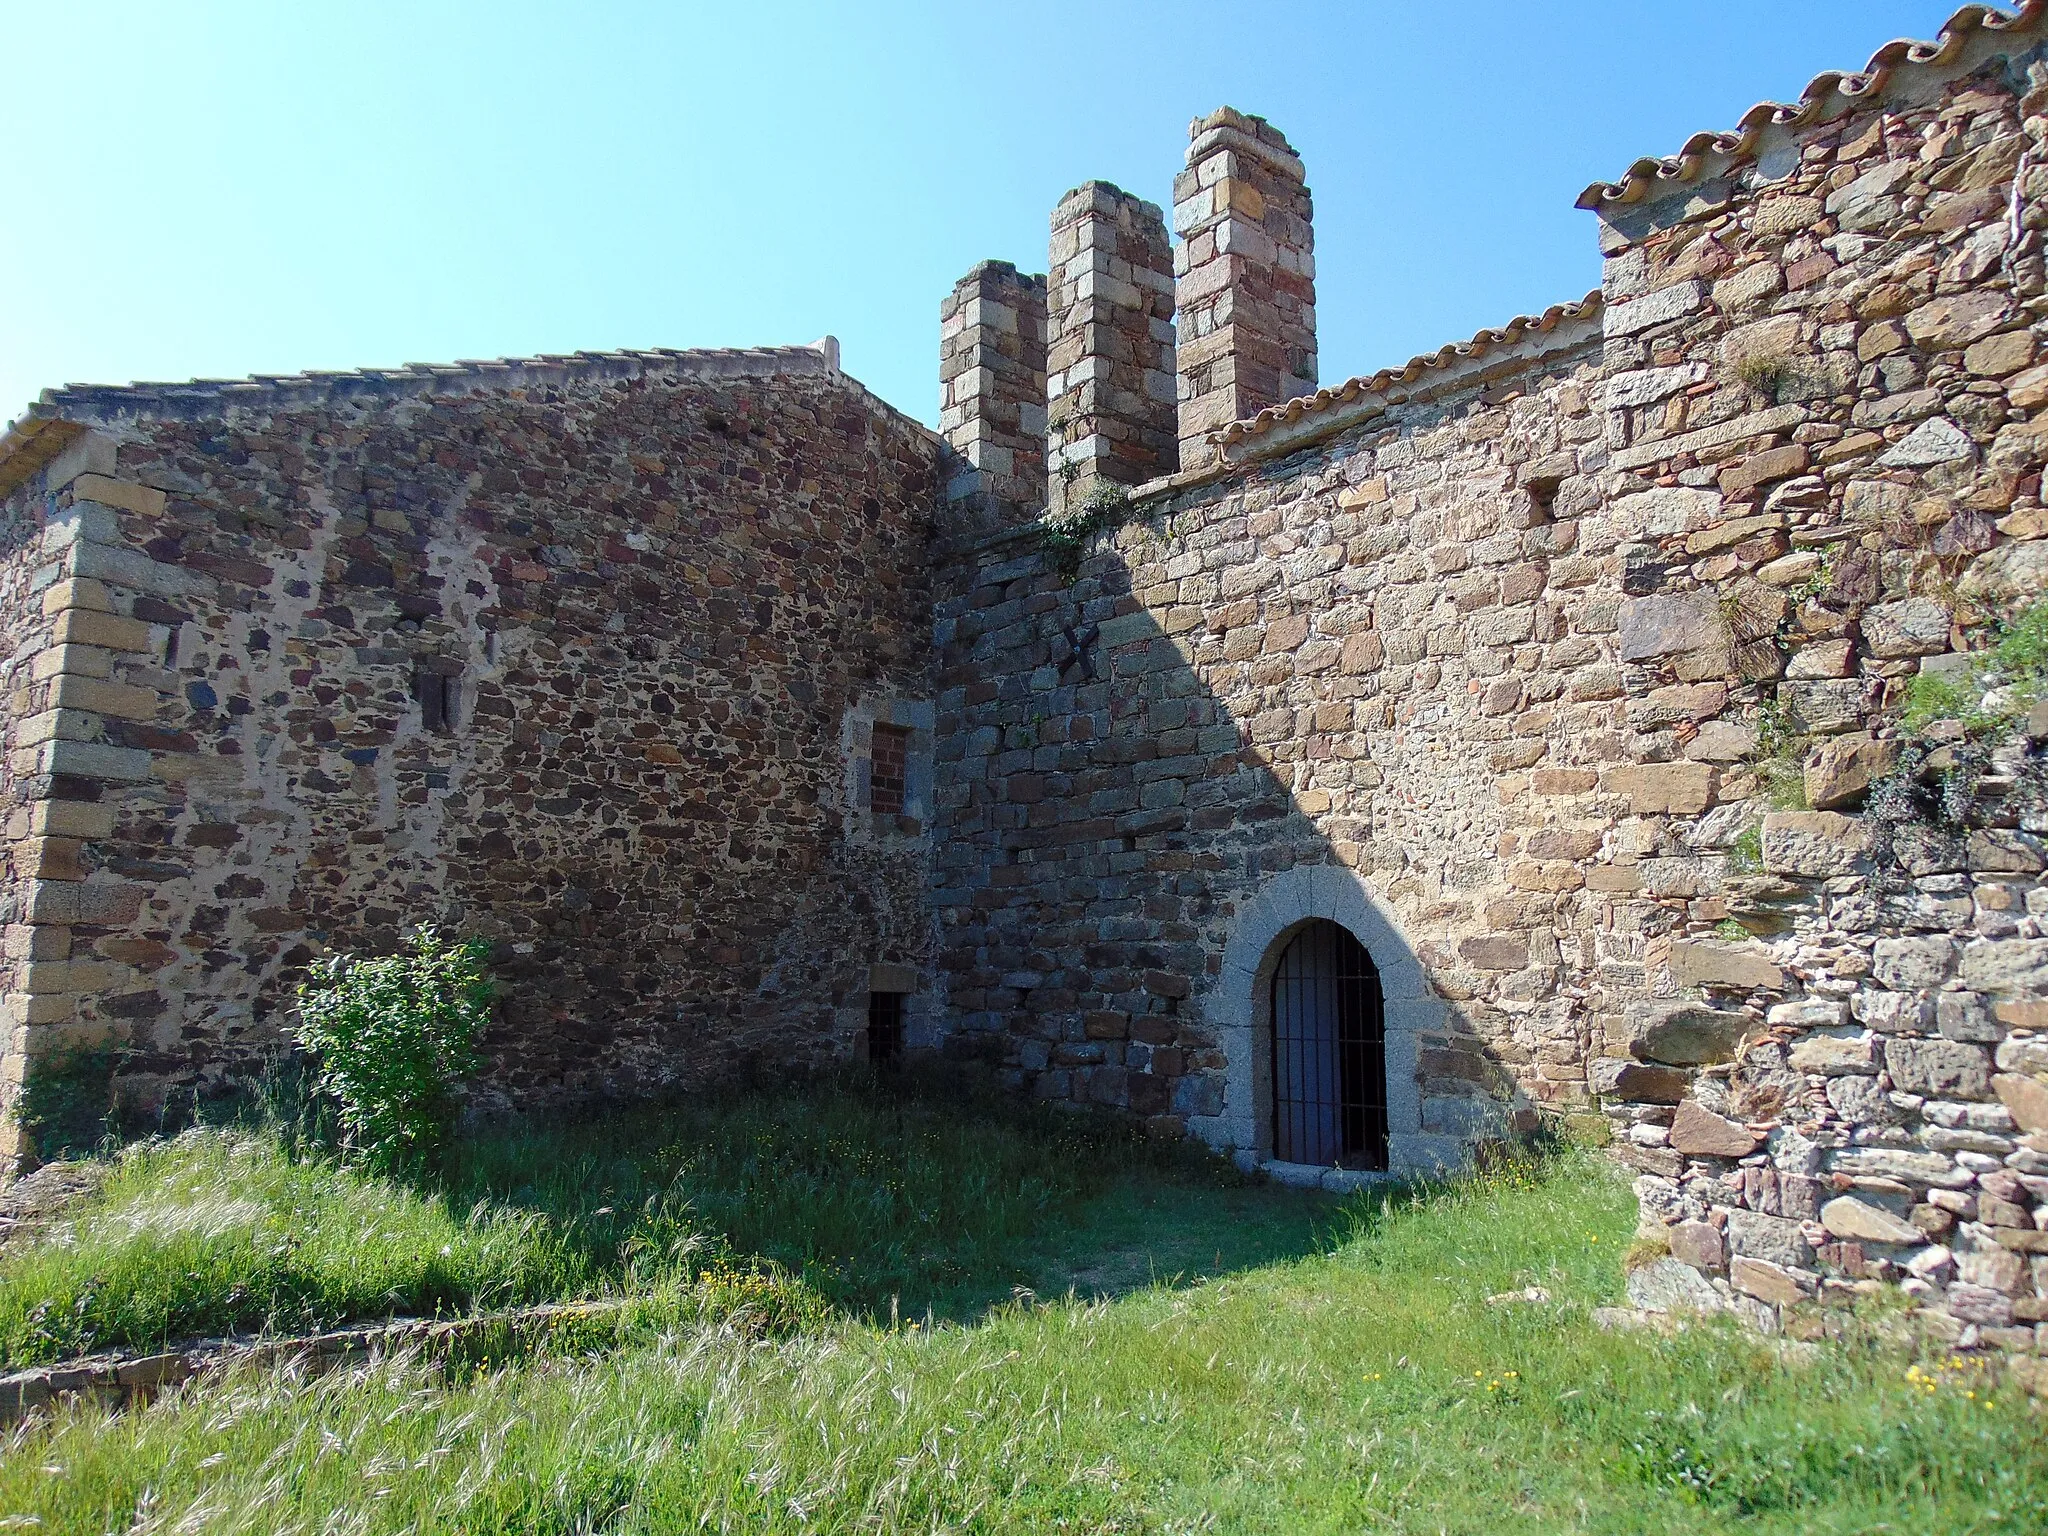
(2001, 685)
(393, 1036)
(66, 1107)
(1779, 759)
(1107, 506)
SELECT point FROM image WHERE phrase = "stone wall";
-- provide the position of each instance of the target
(1824, 416)
(1566, 668)
(1291, 693)
(581, 655)
(1516, 662)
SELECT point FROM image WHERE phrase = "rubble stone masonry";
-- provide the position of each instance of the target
(664, 598)
(1566, 669)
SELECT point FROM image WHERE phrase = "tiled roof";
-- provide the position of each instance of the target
(32, 441)
(204, 396)
(1417, 369)
(1826, 95)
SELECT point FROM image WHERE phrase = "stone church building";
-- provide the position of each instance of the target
(1346, 776)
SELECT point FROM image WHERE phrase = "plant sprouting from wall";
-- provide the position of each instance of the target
(1998, 686)
(66, 1104)
(1780, 759)
(1764, 374)
(1064, 538)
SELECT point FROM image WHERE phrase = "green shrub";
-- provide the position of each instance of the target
(2016, 669)
(393, 1037)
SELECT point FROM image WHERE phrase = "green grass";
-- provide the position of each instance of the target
(1362, 1383)
(219, 1230)
(876, 1199)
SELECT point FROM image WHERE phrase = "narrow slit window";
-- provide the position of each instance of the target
(437, 693)
(885, 1027)
(888, 771)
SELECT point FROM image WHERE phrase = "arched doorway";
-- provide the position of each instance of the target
(1329, 1052)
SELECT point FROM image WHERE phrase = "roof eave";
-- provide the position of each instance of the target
(29, 444)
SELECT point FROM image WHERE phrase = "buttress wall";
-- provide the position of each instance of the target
(586, 659)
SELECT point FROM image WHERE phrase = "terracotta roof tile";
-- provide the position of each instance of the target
(1410, 372)
(1827, 95)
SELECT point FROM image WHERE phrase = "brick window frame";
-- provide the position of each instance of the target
(888, 769)
(888, 765)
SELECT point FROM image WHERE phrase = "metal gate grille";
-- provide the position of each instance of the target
(1329, 1053)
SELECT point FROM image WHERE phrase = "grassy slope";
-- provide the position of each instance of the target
(1362, 1384)
(881, 1201)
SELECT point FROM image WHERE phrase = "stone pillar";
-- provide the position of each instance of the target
(992, 395)
(1109, 362)
(1246, 276)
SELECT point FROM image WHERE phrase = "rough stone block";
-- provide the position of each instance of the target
(1840, 770)
(1677, 789)
(108, 631)
(1699, 1132)
(1860, 1221)
(1913, 965)
(1764, 1280)
(1775, 1239)
(1724, 967)
(1697, 1243)
(1682, 1034)
(1835, 1055)
(1671, 1285)
(2025, 1099)
(1636, 1083)
(1943, 1069)
(1915, 626)
(2007, 966)
(1670, 625)
(1815, 844)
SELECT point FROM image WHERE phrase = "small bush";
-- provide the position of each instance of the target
(393, 1037)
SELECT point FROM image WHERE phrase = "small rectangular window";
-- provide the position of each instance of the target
(437, 693)
(885, 1027)
(888, 769)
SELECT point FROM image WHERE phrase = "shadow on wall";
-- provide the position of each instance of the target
(1126, 858)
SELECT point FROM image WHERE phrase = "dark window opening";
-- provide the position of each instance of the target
(888, 771)
(437, 693)
(1329, 1053)
(885, 1027)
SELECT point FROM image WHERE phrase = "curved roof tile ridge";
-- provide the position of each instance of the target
(1418, 367)
(1825, 93)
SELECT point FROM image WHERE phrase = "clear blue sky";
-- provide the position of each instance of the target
(213, 189)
